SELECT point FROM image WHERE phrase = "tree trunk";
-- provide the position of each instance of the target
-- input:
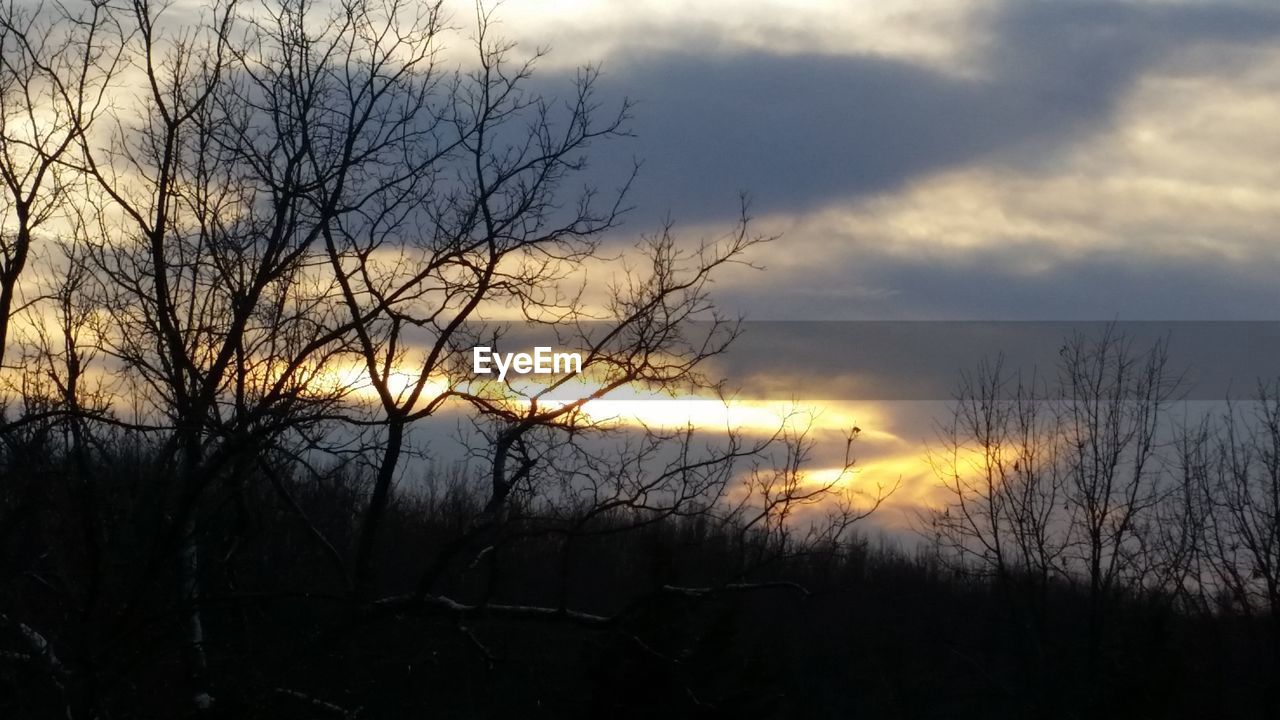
(197, 664)
(378, 504)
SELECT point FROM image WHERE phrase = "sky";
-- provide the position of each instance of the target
(952, 160)
(946, 160)
(929, 160)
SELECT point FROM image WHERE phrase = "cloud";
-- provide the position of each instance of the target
(799, 131)
(925, 31)
(1030, 282)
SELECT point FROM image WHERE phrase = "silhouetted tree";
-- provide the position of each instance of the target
(250, 202)
(1240, 483)
(1112, 400)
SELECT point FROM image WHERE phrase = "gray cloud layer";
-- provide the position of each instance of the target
(1109, 285)
(799, 131)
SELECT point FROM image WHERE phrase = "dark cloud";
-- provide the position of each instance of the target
(799, 131)
(990, 283)
(922, 360)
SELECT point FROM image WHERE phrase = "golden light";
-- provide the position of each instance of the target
(636, 405)
(353, 380)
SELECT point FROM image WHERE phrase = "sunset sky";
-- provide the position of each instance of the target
(944, 160)
(950, 160)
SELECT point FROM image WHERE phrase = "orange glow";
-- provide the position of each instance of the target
(354, 379)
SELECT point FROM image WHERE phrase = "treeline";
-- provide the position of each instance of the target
(1097, 478)
(619, 615)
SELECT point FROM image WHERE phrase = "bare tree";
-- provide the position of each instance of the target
(1000, 460)
(1172, 564)
(207, 252)
(1064, 480)
(55, 70)
(1240, 483)
(1112, 402)
(283, 193)
(57, 66)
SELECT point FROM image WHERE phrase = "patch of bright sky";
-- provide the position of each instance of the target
(933, 32)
